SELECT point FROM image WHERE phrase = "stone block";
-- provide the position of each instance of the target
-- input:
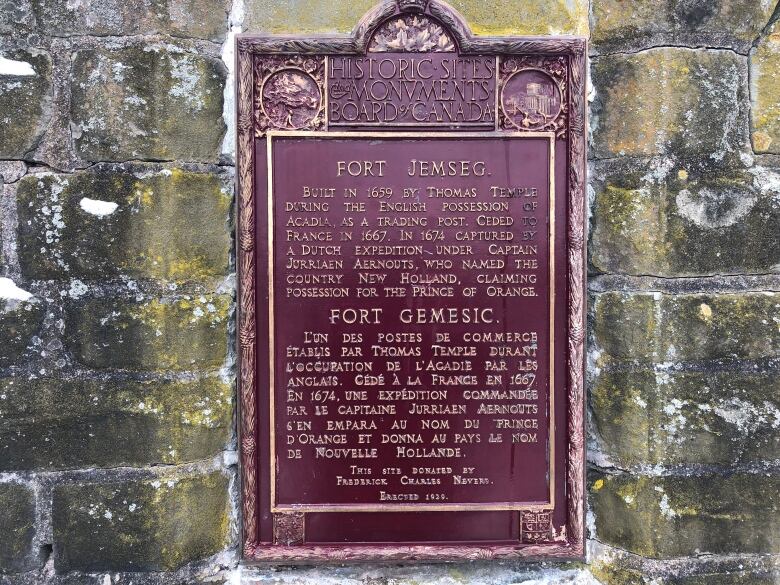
(25, 87)
(156, 102)
(666, 517)
(497, 18)
(17, 521)
(647, 418)
(621, 26)
(765, 93)
(657, 328)
(143, 222)
(671, 102)
(19, 321)
(16, 17)
(205, 19)
(158, 334)
(145, 525)
(48, 423)
(691, 222)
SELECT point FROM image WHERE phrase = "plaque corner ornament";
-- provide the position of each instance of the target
(289, 93)
(289, 528)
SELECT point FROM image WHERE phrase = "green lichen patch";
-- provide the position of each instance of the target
(62, 424)
(765, 93)
(181, 334)
(619, 25)
(672, 102)
(655, 328)
(497, 18)
(19, 321)
(17, 519)
(687, 223)
(151, 525)
(169, 225)
(206, 19)
(664, 517)
(156, 102)
(25, 87)
(682, 418)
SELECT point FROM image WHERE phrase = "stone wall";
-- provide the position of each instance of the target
(117, 434)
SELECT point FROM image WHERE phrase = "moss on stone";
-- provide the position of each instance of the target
(664, 517)
(648, 417)
(150, 525)
(670, 101)
(170, 225)
(724, 23)
(23, 103)
(655, 328)
(691, 222)
(61, 424)
(183, 334)
(156, 102)
(19, 321)
(765, 93)
(17, 519)
(496, 18)
(205, 19)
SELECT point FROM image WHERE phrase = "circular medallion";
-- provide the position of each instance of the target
(291, 98)
(531, 99)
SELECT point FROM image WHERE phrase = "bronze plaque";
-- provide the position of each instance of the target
(411, 307)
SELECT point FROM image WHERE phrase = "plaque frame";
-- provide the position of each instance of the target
(260, 57)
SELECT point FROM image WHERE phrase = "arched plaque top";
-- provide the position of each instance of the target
(413, 26)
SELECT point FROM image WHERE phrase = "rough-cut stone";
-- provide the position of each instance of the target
(156, 524)
(670, 418)
(205, 19)
(16, 17)
(765, 92)
(659, 328)
(181, 334)
(671, 101)
(17, 520)
(504, 18)
(25, 84)
(58, 424)
(619, 25)
(156, 102)
(612, 573)
(690, 222)
(166, 224)
(664, 517)
(19, 321)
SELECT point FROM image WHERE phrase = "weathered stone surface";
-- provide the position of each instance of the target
(156, 102)
(647, 418)
(765, 92)
(612, 573)
(16, 17)
(181, 334)
(58, 424)
(620, 25)
(19, 321)
(25, 84)
(505, 18)
(691, 222)
(663, 517)
(205, 19)
(157, 524)
(142, 222)
(17, 519)
(659, 328)
(667, 101)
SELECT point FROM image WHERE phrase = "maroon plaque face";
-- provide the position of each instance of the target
(411, 304)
